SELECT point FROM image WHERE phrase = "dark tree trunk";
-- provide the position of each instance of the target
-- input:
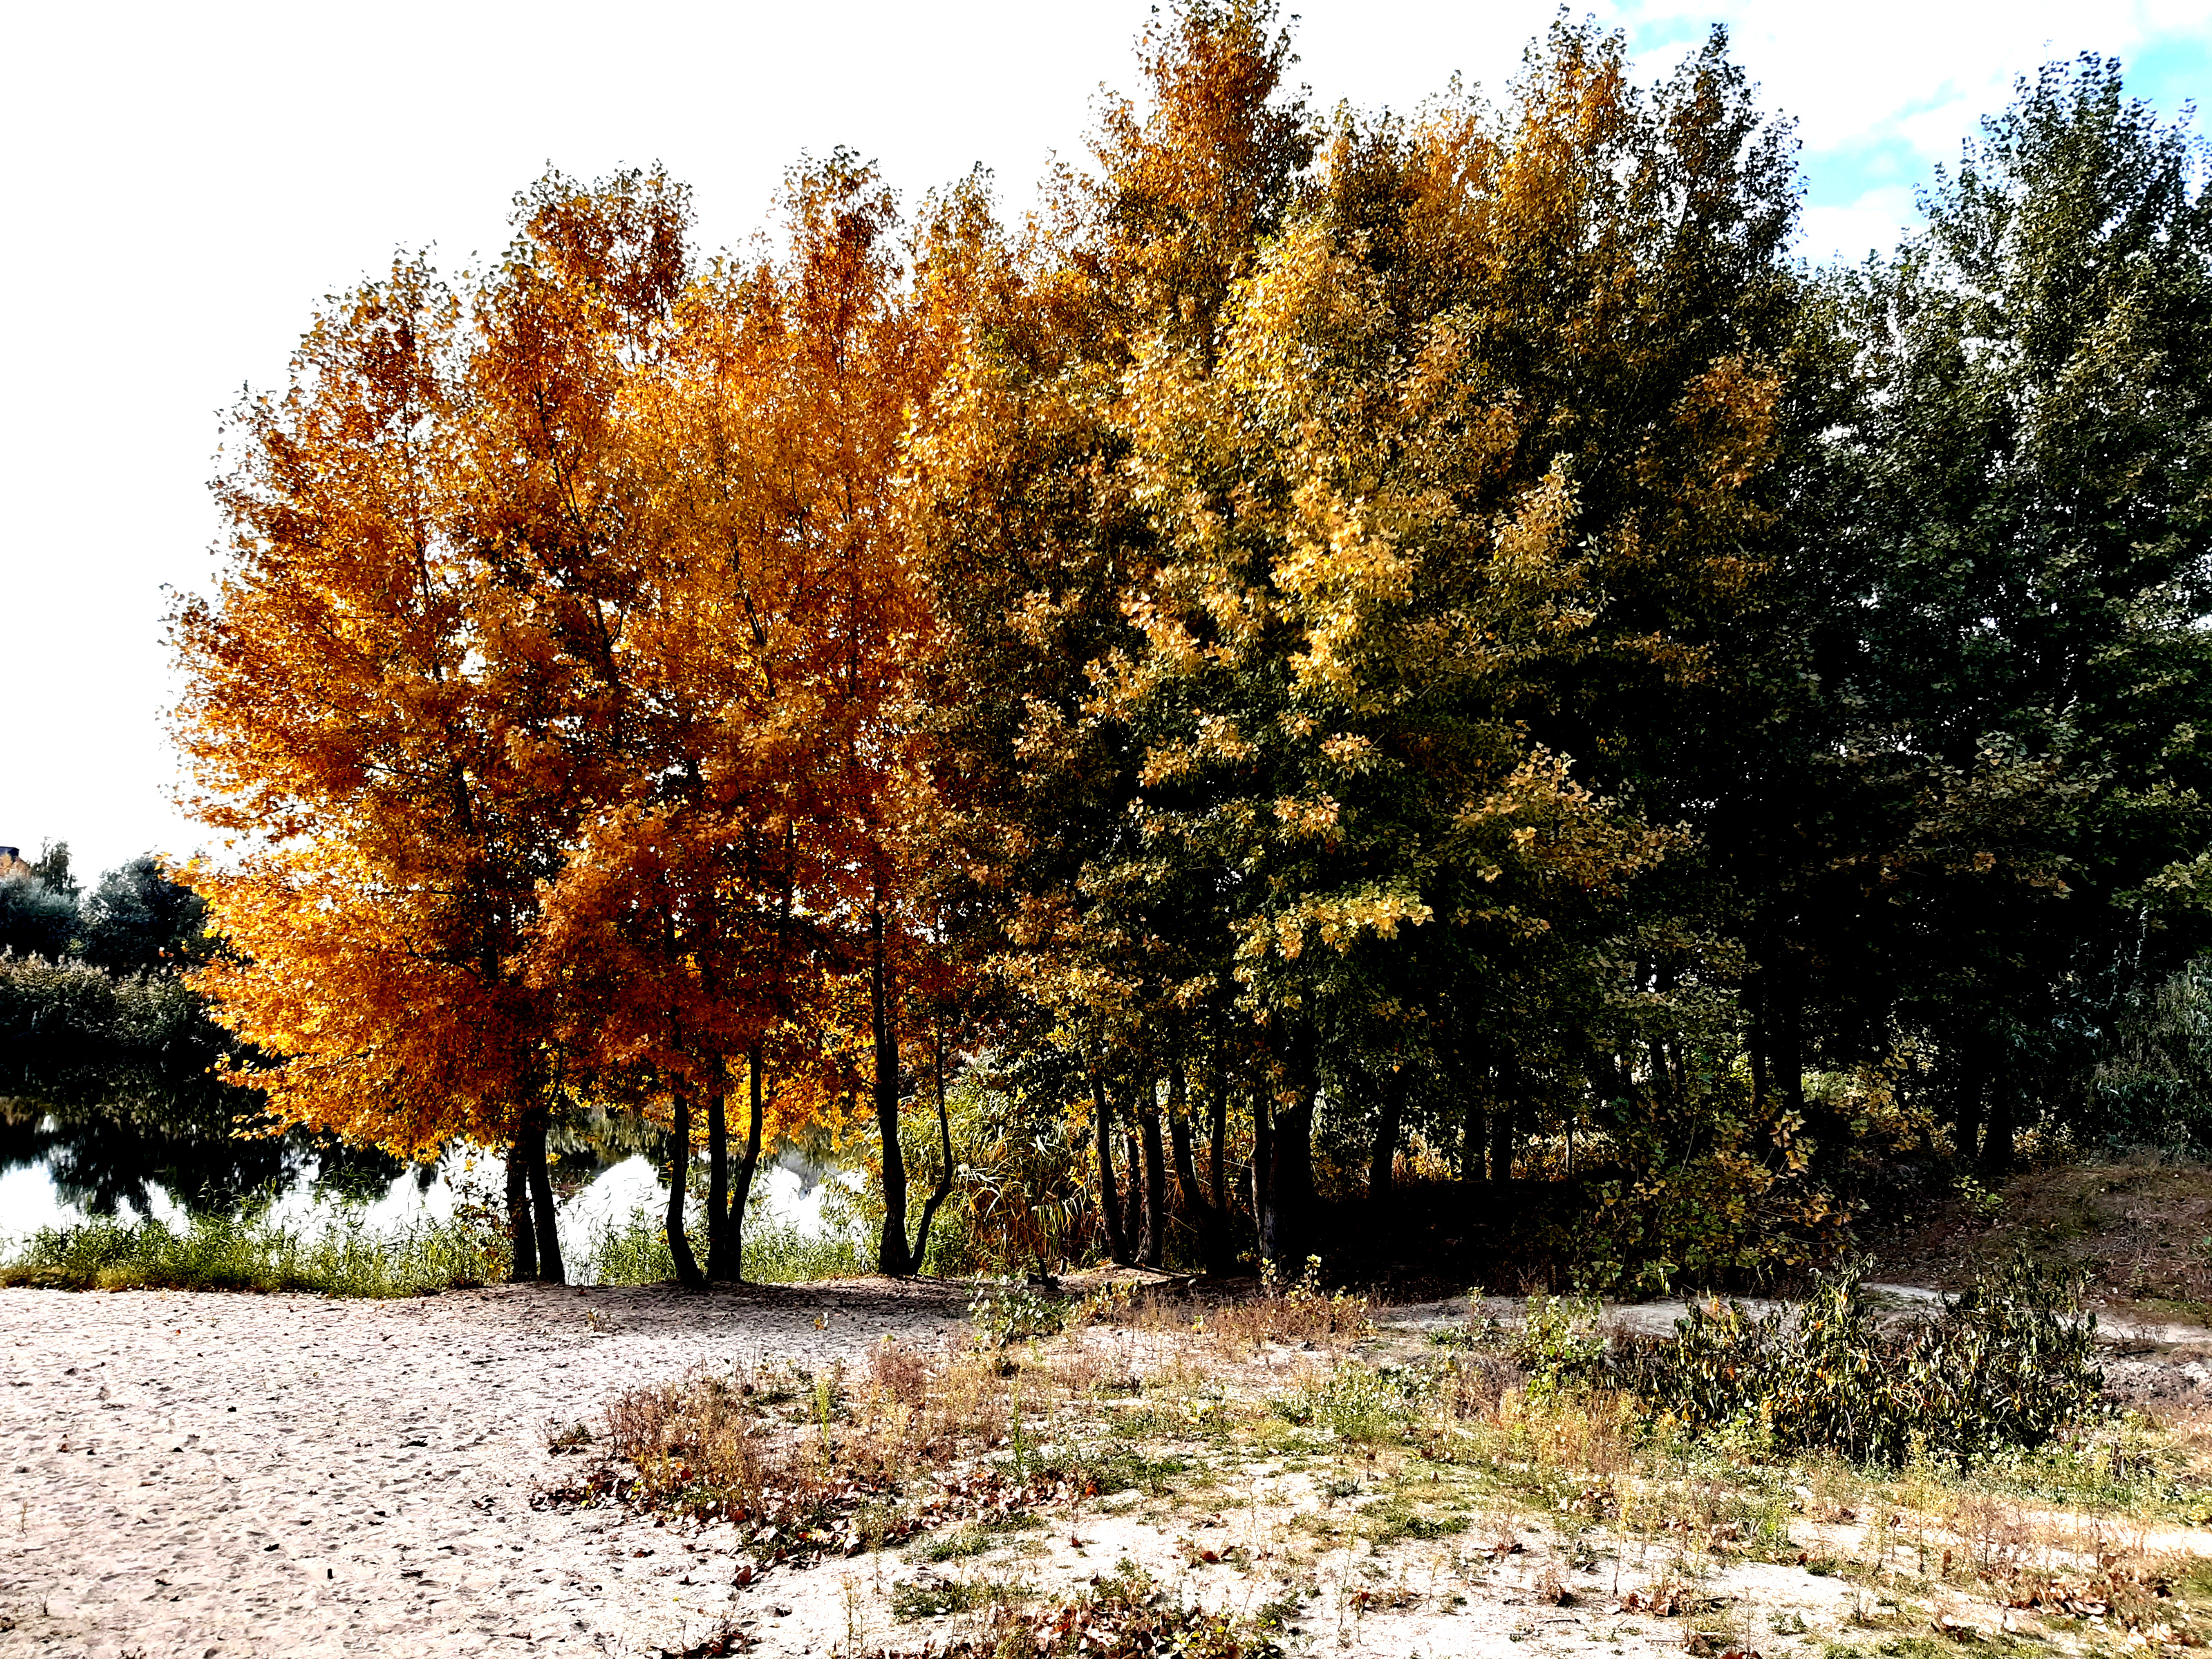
(1470, 1139)
(2002, 1122)
(1384, 1157)
(721, 1248)
(943, 1190)
(892, 1256)
(530, 1143)
(1208, 1212)
(1133, 1193)
(1501, 1143)
(524, 1267)
(1152, 1248)
(679, 1181)
(1756, 1044)
(1109, 1198)
(1286, 1230)
(1263, 1162)
(741, 1182)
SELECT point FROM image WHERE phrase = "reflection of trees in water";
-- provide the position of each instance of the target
(582, 1146)
(100, 1160)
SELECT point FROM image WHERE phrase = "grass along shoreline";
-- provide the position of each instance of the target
(337, 1252)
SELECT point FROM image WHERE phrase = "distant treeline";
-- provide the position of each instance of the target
(94, 1009)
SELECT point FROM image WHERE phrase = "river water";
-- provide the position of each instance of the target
(60, 1169)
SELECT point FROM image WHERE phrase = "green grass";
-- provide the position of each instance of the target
(633, 1250)
(342, 1257)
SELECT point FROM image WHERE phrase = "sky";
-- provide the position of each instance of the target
(190, 180)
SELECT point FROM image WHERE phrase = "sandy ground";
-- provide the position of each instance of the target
(214, 1474)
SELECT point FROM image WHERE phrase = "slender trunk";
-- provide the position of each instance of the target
(1384, 1157)
(1208, 1219)
(943, 1187)
(525, 1265)
(1286, 1232)
(1501, 1142)
(892, 1256)
(547, 1230)
(1153, 1249)
(1470, 1139)
(679, 1181)
(1756, 1044)
(1109, 1200)
(1133, 1193)
(1216, 1153)
(721, 1255)
(1263, 1160)
(741, 1183)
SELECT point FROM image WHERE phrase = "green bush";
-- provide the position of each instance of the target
(2008, 1365)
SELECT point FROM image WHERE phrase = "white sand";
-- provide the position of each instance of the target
(216, 1474)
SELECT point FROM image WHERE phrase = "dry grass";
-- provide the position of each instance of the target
(1352, 1449)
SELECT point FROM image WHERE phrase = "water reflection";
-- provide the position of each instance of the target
(61, 1164)
(103, 1163)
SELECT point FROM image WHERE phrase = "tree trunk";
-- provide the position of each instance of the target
(1152, 1249)
(721, 1256)
(1109, 1200)
(892, 1256)
(531, 1145)
(1208, 1212)
(1133, 1193)
(679, 1181)
(1384, 1157)
(525, 1265)
(1470, 1139)
(1998, 1128)
(943, 1187)
(1263, 1160)
(1286, 1229)
(1501, 1141)
(741, 1184)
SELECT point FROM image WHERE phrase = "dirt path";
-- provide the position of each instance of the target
(211, 1474)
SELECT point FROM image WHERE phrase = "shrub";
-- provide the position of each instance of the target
(2009, 1365)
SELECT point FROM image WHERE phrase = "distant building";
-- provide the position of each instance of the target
(12, 861)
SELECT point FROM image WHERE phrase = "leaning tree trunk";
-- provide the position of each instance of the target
(524, 1267)
(1110, 1200)
(679, 1179)
(892, 1256)
(721, 1257)
(741, 1182)
(1153, 1243)
(943, 1190)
